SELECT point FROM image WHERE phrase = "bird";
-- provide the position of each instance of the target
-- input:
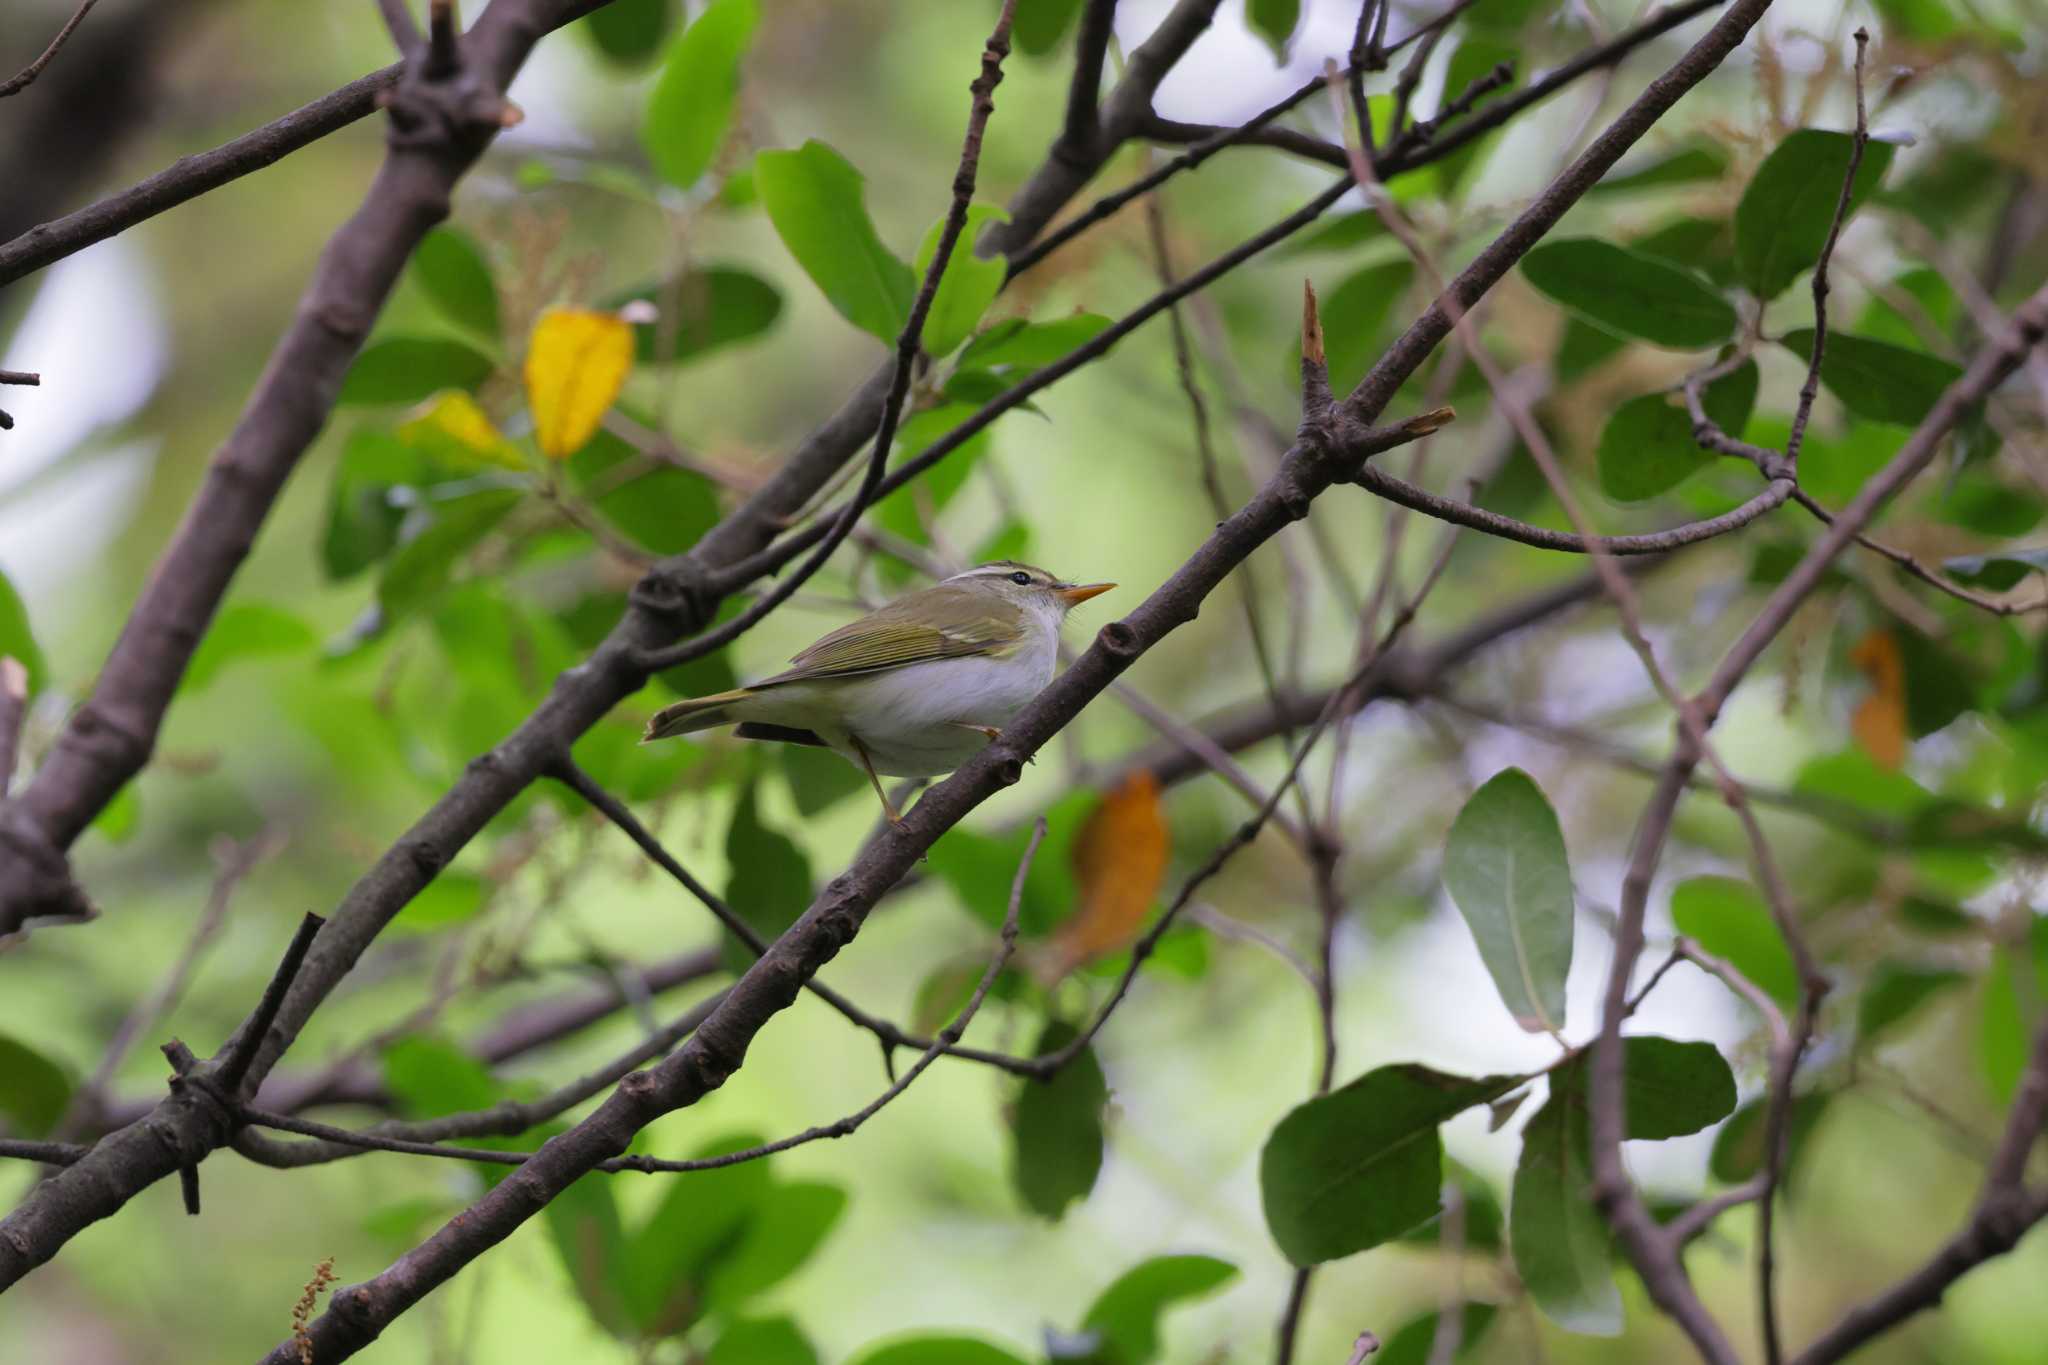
(916, 687)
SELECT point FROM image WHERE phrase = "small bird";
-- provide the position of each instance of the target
(912, 689)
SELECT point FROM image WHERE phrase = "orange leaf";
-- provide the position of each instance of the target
(1879, 722)
(1119, 859)
(576, 362)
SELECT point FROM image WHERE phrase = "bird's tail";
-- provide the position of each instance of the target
(697, 713)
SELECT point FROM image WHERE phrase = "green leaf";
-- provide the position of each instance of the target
(1647, 447)
(968, 285)
(17, 641)
(1673, 1088)
(244, 631)
(1275, 21)
(1583, 346)
(1476, 55)
(1056, 1132)
(451, 269)
(1979, 500)
(771, 878)
(630, 32)
(1503, 16)
(362, 517)
(700, 311)
(422, 566)
(1351, 1169)
(1739, 1147)
(1414, 1342)
(1782, 222)
(1642, 296)
(1338, 232)
(690, 109)
(2006, 1017)
(1482, 1216)
(664, 511)
(937, 1350)
(1895, 990)
(1125, 1317)
(1703, 244)
(121, 817)
(791, 1221)
(761, 1341)
(1874, 379)
(1701, 161)
(1355, 311)
(1928, 300)
(1040, 24)
(406, 369)
(1999, 572)
(1558, 1239)
(1024, 346)
(980, 868)
(450, 898)
(700, 1220)
(431, 1078)
(1834, 470)
(583, 1222)
(1729, 920)
(1505, 867)
(814, 198)
(34, 1091)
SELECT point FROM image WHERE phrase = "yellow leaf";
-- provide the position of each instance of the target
(451, 427)
(576, 363)
(1879, 722)
(1119, 858)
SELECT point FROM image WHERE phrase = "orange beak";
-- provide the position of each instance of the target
(1078, 593)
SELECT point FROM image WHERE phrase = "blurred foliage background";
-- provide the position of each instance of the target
(341, 692)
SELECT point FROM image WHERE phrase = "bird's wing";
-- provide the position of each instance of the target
(910, 630)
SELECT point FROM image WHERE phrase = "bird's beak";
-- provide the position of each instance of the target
(1077, 593)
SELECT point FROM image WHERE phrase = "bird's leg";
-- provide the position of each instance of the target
(868, 765)
(987, 732)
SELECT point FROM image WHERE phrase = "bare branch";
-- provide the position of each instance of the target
(386, 1139)
(908, 350)
(22, 79)
(399, 23)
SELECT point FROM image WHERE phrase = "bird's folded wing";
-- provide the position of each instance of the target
(886, 640)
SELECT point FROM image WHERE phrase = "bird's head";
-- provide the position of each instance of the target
(1028, 586)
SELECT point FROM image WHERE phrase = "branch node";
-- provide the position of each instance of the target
(1118, 640)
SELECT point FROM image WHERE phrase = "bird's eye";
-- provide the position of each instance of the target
(1021, 579)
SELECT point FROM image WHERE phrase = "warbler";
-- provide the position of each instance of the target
(914, 688)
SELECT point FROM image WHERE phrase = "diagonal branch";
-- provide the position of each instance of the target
(440, 127)
(22, 79)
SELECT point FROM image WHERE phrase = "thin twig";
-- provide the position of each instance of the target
(22, 79)
(386, 1141)
(908, 350)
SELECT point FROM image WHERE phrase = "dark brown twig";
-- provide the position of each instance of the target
(982, 93)
(243, 1050)
(387, 1140)
(399, 23)
(22, 79)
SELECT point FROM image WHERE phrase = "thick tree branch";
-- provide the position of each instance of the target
(440, 126)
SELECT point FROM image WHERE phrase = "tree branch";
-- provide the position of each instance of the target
(22, 79)
(439, 129)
